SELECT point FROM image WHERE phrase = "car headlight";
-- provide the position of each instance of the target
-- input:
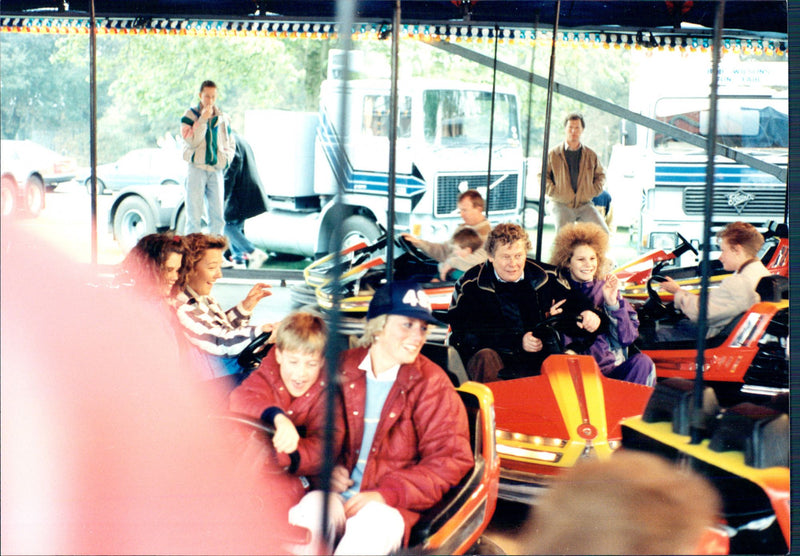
(662, 240)
(539, 441)
(529, 447)
(527, 453)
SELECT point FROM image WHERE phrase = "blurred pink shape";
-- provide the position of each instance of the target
(106, 442)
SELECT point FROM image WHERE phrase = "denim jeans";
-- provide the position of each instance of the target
(204, 188)
(239, 244)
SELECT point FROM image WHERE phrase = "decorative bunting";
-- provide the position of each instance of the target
(377, 31)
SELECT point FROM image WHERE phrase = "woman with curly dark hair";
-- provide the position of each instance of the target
(155, 265)
(579, 253)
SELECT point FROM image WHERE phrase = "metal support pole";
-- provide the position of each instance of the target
(93, 126)
(696, 425)
(345, 15)
(491, 125)
(528, 119)
(546, 139)
(392, 145)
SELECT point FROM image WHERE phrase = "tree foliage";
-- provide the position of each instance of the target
(146, 82)
(39, 94)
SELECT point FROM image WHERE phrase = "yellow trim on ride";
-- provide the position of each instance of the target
(731, 461)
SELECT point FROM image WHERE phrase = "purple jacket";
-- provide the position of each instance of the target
(623, 325)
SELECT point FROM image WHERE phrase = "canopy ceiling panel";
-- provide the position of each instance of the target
(764, 17)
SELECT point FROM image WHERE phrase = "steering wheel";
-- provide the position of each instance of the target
(241, 427)
(251, 356)
(686, 245)
(414, 251)
(552, 329)
(655, 308)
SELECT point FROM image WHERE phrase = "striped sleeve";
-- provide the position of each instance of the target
(210, 334)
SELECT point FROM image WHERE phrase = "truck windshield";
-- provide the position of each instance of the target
(457, 117)
(748, 123)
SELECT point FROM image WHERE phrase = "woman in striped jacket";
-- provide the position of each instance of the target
(219, 336)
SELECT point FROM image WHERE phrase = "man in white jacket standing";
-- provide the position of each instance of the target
(739, 244)
(209, 148)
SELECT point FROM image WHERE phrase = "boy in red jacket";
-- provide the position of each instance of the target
(407, 435)
(288, 392)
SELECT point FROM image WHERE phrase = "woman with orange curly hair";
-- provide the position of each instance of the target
(579, 253)
(220, 336)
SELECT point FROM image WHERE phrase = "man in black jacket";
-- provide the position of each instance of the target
(243, 200)
(497, 304)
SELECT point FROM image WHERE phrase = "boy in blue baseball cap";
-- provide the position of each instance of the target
(407, 439)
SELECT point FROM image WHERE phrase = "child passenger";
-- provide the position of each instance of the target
(219, 336)
(579, 253)
(407, 440)
(288, 391)
(739, 244)
(467, 252)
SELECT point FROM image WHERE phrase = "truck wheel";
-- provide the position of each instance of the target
(355, 229)
(34, 196)
(132, 221)
(8, 195)
(180, 222)
(101, 187)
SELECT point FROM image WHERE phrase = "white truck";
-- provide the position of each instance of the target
(443, 143)
(657, 183)
(442, 150)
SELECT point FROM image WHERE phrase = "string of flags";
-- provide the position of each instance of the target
(611, 39)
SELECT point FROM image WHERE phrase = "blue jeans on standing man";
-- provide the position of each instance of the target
(204, 188)
(239, 244)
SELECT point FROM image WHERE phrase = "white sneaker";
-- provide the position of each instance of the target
(256, 259)
(226, 263)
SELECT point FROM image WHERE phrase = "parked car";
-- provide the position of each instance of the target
(139, 167)
(28, 170)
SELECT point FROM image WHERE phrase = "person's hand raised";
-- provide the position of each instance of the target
(256, 294)
(611, 289)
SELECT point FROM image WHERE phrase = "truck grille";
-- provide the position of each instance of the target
(732, 200)
(503, 195)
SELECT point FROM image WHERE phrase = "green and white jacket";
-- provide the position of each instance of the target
(209, 144)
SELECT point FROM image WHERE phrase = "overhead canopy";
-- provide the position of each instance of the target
(765, 17)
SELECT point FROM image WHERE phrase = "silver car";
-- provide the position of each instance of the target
(139, 167)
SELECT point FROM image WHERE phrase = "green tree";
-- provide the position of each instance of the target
(41, 98)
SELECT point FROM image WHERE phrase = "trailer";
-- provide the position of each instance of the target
(657, 180)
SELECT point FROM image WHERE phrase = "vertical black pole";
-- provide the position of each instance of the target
(546, 141)
(491, 125)
(93, 126)
(345, 10)
(696, 426)
(392, 146)
(528, 121)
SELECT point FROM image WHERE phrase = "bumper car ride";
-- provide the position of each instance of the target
(456, 523)
(549, 422)
(743, 450)
(747, 360)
